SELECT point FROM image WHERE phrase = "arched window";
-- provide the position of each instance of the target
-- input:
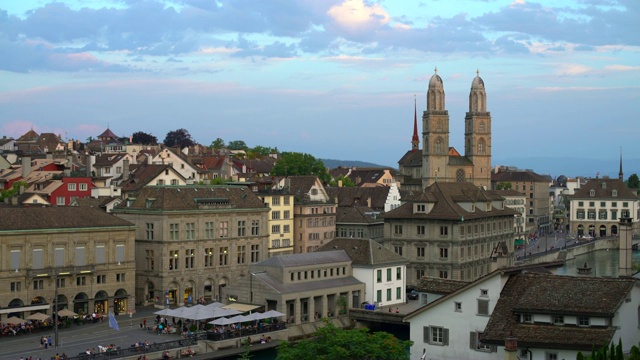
(439, 125)
(438, 149)
(460, 175)
(481, 147)
(481, 127)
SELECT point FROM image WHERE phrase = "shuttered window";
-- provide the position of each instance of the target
(38, 258)
(15, 259)
(120, 253)
(101, 254)
(58, 257)
(80, 256)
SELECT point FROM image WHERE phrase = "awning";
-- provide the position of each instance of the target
(241, 307)
(25, 308)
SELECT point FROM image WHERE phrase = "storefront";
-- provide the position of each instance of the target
(101, 302)
(120, 302)
(81, 304)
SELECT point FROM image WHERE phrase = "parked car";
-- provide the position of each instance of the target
(412, 295)
(586, 237)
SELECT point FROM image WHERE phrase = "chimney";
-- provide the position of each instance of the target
(626, 233)
(511, 348)
(26, 166)
(125, 169)
(90, 160)
(369, 201)
(339, 183)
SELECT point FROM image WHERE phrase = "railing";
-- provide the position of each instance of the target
(216, 336)
(137, 350)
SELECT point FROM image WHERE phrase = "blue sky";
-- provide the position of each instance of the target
(333, 78)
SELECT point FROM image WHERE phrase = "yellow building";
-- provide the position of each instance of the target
(280, 225)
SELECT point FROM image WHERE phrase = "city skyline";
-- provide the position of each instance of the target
(335, 79)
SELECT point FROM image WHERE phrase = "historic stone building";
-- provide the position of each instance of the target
(451, 230)
(193, 240)
(438, 161)
(84, 255)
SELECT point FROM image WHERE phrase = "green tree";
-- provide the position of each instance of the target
(633, 182)
(237, 145)
(217, 144)
(143, 138)
(294, 163)
(332, 343)
(13, 190)
(180, 138)
(346, 182)
(504, 186)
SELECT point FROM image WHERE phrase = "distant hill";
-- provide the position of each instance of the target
(332, 163)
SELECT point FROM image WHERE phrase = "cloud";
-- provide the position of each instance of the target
(354, 18)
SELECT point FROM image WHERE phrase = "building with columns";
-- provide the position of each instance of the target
(306, 287)
(437, 161)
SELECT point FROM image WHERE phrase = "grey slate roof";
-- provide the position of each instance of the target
(171, 198)
(359, 196)
(445, 196)
(604, 190)
(305, 259)
(358, 215)
(536, 293)
(439, 286)
(63, 217)
(305, 286)
(364, 252)
(411, 158)
(518, 176)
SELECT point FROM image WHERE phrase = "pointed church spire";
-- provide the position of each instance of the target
(415, 140)
(620, 175)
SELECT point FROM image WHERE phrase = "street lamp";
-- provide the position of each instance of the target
(251, 285)
(55, 309)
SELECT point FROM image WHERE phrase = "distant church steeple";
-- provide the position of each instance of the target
(415, 140)
(620, 175)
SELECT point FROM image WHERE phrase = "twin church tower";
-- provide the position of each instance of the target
(438, 161)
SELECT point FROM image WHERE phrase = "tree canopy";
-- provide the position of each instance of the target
(332, 343)
(180, 137)
(143, 138)
(217, 144)
(633, 182)
(346, 182)
(237, 145)
(294, 163)
(503, 186)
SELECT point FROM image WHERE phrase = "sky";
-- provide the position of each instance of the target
(333, 78)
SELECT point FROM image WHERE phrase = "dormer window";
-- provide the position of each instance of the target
(604, 185)
(592, 193)
(488, 206)
(421, 208)
(558, 320)
(614, 193)
(473, 208)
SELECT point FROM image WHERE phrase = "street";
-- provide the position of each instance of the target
(545, 243)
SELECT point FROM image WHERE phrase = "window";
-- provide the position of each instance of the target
(255, 253)
(149, 231)
(208, 257)
(80, 256)
(421, 208)
(397, 229)
(15, 259)
(224, 256)
(58, 256)
(379, 276)
(483, 307)
(191, 231)
(149, 259)
(286, 214)
(275, 215)
(60, 200)
(189, 258)
(255, 227)
(379, 296)
(443, 274)
(275, 229)
(241, 228)
(583, 321)
(420, 230)
(208, 230)
(475, 344)
(241, 254)
(38, 284)
(436, 335)
(398, 293)
(173, 260)
(484, 292)
(444, 230)
(558, 320)
(81, 281)
(120, 253)
(444, 253)
(224, 229)
(275, 243)
(419, 274)
(389, 274)
(551, 356)
(457, 306)
(602, 214)
(286, 200)
(16, 286)
(71, 186)
(398, 273)
(275, 200)
(527, 318)
(174, 231)
(285, 229)
(580, 214)
(101, 279)
(83, 187)
(398, 250)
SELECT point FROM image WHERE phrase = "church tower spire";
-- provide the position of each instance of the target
(477, 134)
(415, 140)
(435, 135)
(620, 174)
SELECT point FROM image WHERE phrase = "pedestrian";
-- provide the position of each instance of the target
(49, 341)
(144, 323)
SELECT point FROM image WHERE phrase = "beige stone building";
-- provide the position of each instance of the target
(306, 287)
(451, 231)
(280, 217)
(193, 240)
(86, 252)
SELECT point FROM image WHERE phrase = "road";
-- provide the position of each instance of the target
(549, 242)
(78, 338)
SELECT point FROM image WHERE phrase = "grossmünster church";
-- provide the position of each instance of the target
(437, 161)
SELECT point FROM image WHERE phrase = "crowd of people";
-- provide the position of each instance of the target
(25, 327)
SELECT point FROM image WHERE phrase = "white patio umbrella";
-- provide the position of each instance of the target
(272, 314)
(254, 316)
(215, 304)
(219, 312)
(164, 312)
(38, 316)
(222, 321)
(66, 312)
(239, 318)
